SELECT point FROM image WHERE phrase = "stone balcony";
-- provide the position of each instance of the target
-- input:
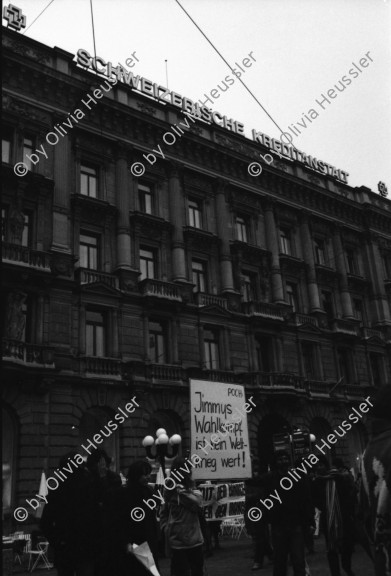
(160, 289)
(24, 256)
(368, 333)
(31, 355)
(342, 326)
(203, 299)
(165, 372)
(299, 319)
(96, 366)
(276, 381)
(264, 310)
(87, 276)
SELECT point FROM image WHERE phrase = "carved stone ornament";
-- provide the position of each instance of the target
(148, 109)
(26, 52)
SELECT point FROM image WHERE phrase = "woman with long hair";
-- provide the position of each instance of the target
(179, 517)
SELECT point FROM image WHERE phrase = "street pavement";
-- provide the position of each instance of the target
(235, 559)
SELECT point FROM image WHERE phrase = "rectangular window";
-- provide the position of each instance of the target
(211, 349)
(89, 251)
(95, 334)
(345, 365)
(351, 261)
(308, 351)
(375, 362)
(249, 287)
(292, 296)
(358, 310)
(28, 147)
(264, 350)
(195, 213)
(387, 266)
(88, 181)
(157, 343)
(327, 303)
(6, 150)
(198, 269)
(26, 234)
(241, 229)
(4, 223)
(145, 198)
(285, 240)
(147, 263)
(320, 252)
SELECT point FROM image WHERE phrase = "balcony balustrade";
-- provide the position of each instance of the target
(276, 380)
(24, 256)
(342, 326)
(165, 372)
(317, 387)
(98, 366)
(87, 276)
(367, 333)
(160, 289)
(32, 355)
(203, 299)
(263, 309)
(300, 319)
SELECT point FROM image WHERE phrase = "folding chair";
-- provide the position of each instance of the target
(41, 556)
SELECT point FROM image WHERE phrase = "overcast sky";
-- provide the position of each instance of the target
(302, 48)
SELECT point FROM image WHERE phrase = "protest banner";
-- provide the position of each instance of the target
(219, 432)
(222, 501)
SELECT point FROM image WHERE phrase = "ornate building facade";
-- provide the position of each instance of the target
(117, 286)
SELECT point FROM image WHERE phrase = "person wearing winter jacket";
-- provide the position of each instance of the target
(179, 517)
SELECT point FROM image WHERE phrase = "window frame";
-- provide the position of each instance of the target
(286, 244)
(96, 237)
(151, 260)
(160, 339)
(96, 324)
(212, 352)
(6, 139)
(293, 296)
(241, 228)
(87, 166)
(320, 252)
(28, 150)
(351, 259)
(265, 354)
(201, 273)
(195, 213)
(144, 190)
(311, 348)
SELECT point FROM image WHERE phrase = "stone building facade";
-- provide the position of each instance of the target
(117, 286)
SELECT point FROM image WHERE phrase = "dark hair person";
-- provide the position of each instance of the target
(179, 517)
(125, 530)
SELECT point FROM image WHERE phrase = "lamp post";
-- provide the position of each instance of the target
(161, 442)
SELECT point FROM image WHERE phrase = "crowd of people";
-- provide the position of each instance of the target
(89, 525)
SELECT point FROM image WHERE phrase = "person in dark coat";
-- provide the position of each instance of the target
(289, 519)
(259, 529)
(334, 494)
(69, 522)
(377, 481)
(124, 527)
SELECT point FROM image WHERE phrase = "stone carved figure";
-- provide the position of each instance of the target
(16, 319)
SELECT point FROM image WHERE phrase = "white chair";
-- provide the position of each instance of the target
(40, 555)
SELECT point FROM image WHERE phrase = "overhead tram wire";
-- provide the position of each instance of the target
(230, 67)
(46, 7)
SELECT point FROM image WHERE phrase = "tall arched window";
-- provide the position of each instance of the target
(10, 445)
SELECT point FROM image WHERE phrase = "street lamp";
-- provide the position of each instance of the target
(161, 442)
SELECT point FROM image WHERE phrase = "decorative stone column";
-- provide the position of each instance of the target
(309, 259)
(222, 218)
(123, 192)
(273, 246)
(176, 202)
(379, 297)
(339, 253)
